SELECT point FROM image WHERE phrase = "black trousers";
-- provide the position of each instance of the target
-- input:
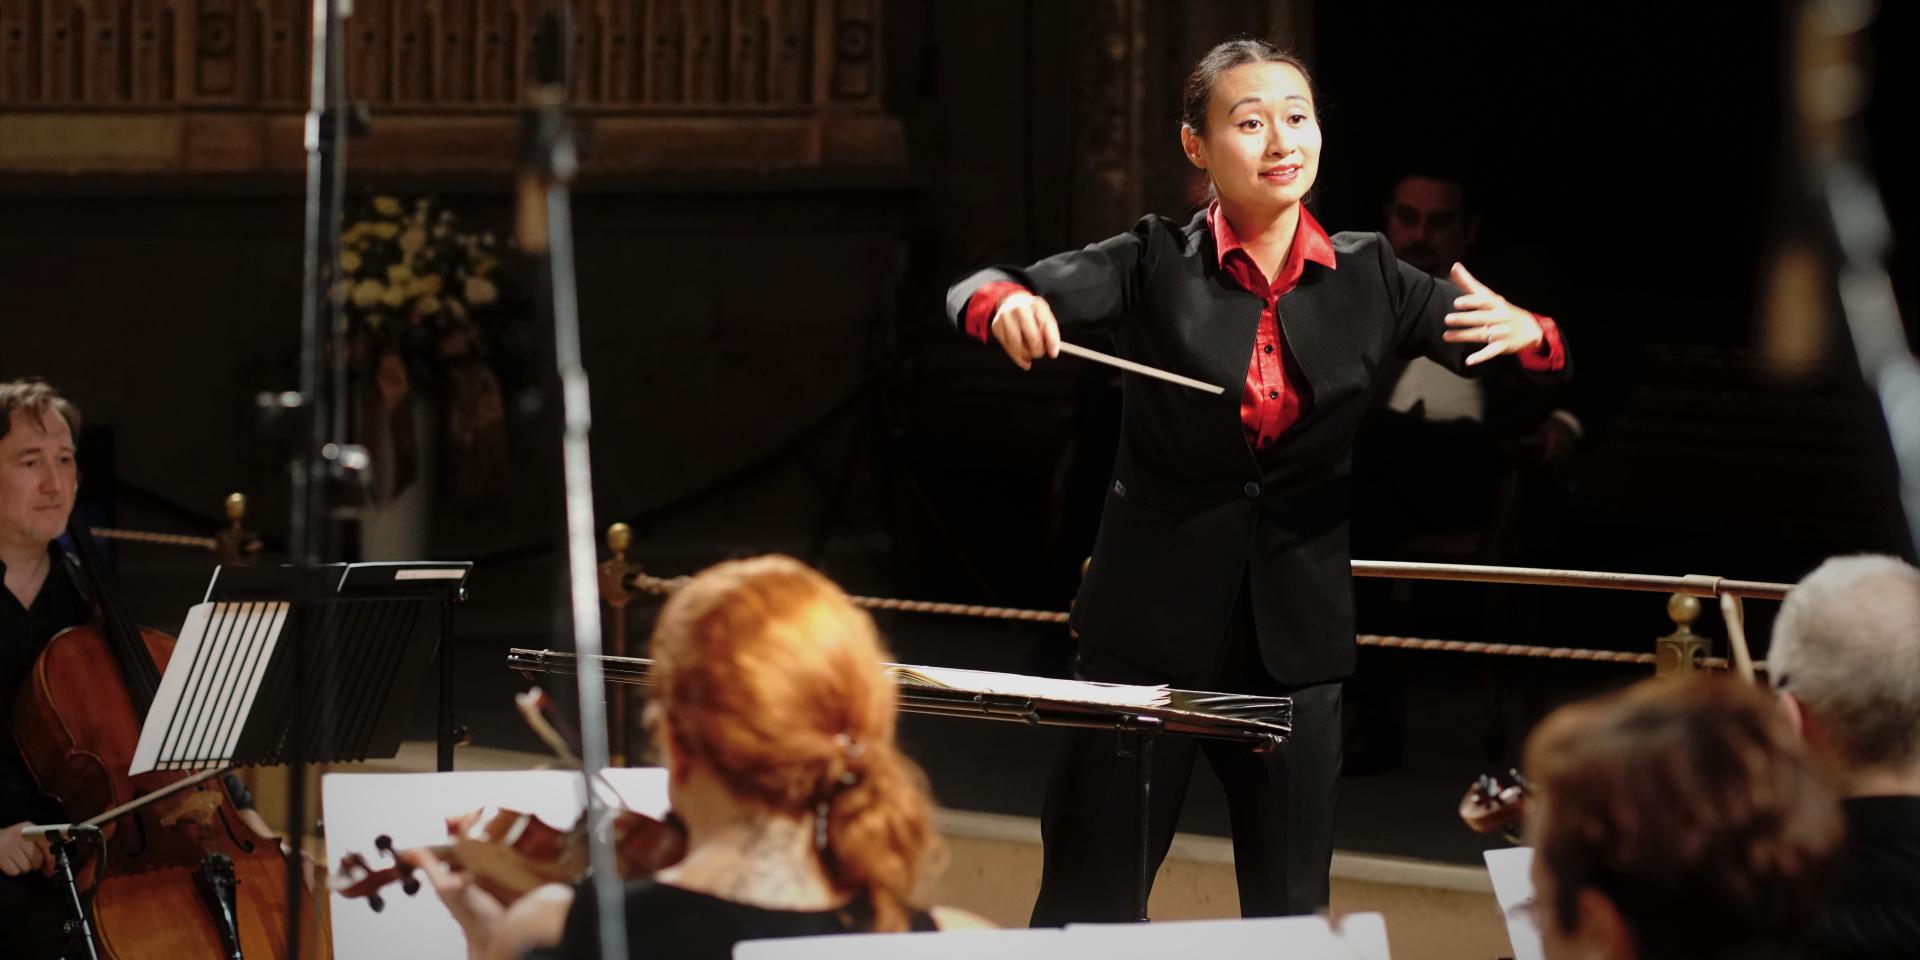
(1280, 802)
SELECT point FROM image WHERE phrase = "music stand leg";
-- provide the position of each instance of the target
(446, 733)
(64, 864)
(1143, 825)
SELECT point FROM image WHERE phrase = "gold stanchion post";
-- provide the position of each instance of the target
(614, 592)
(235, 545)
(1679, 653)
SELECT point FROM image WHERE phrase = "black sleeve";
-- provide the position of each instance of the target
(1420, 306)
(579, 937)
(1089, 288)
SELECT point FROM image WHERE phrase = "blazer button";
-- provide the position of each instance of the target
(1252, 489)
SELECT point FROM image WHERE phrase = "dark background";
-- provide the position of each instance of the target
(770, 370)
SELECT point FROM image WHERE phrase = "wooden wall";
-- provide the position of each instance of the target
(221, 86)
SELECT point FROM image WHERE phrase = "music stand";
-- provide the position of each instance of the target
(1262, 723)
(226, 697)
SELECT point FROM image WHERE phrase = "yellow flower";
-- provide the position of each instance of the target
(366, 293)
(395, 296)
(413, 240)
(480, 291)
(427, 306)
(428, 285)
(385, 231)
(399, 274)
(386, 206)
(349, 261)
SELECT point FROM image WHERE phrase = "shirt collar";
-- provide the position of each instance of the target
(1310, 241)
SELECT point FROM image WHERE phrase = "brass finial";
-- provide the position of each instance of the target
(1679, 653)
(236, 507)
(619, 538)
(1683, 609)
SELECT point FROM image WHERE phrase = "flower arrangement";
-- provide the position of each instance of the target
(427, 308)
(412, 284)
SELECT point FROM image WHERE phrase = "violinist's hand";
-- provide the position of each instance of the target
(1025, 327)
(1482, 316)
(476, 910)
(19, 855)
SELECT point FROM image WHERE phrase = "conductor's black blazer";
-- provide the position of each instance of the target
(1192, 509)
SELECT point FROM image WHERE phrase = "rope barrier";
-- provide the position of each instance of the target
(661, 586)
(165, 539)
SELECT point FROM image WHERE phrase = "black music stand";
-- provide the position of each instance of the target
(1262, 723)
(226, 697)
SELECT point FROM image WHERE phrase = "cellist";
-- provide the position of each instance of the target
(45, 594)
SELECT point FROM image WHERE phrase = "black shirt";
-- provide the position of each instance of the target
(674, 923)
(1876, 912)
(24, 632)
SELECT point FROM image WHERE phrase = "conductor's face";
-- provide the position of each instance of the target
(1262, 142)
(38, 477)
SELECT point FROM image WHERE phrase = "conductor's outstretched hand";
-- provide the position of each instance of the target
(1026, 330)
(1482, 316)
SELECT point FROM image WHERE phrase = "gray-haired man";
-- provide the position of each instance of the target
(1846, 661)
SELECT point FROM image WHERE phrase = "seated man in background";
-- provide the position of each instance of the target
(1677, 819)
(1846, 660)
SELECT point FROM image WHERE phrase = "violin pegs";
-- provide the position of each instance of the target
(410, 884)
(375, 901)
(384, 844)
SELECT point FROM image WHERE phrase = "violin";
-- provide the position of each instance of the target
(1491, 806)
(510, 853)
(182, 876)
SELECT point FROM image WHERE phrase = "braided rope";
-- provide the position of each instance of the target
(164, 539)
(660, 586)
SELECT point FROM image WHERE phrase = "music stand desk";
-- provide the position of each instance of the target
(1261, 723)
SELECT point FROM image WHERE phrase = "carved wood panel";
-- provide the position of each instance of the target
(219, 86)
(626, 53)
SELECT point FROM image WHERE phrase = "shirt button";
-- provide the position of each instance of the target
(1269, 348)
(1273, 394)
(1252, 489)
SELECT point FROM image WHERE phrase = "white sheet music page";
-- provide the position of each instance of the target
(210, 686)
(1020, 685)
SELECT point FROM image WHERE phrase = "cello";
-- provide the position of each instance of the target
(182, 876)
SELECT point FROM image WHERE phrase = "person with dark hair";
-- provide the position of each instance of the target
(1221, 561)
(1677, 819)
(45, 593)
(1845, 659)
(38, 481)
(775, 720)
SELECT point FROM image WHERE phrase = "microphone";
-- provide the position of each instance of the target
(547, 150)
(59, 832)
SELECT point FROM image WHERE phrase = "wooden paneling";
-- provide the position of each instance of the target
(229, 72)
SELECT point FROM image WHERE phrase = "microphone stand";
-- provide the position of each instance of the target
(1829, 95)
(545, 231)
(316, 409)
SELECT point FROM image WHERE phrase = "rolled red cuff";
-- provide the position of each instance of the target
(977, 320)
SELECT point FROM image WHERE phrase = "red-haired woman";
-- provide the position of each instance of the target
(776, 725)
(1222, 558)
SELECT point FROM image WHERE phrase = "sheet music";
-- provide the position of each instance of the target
(1019, 685)
(210, 685)
(1510, 868)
